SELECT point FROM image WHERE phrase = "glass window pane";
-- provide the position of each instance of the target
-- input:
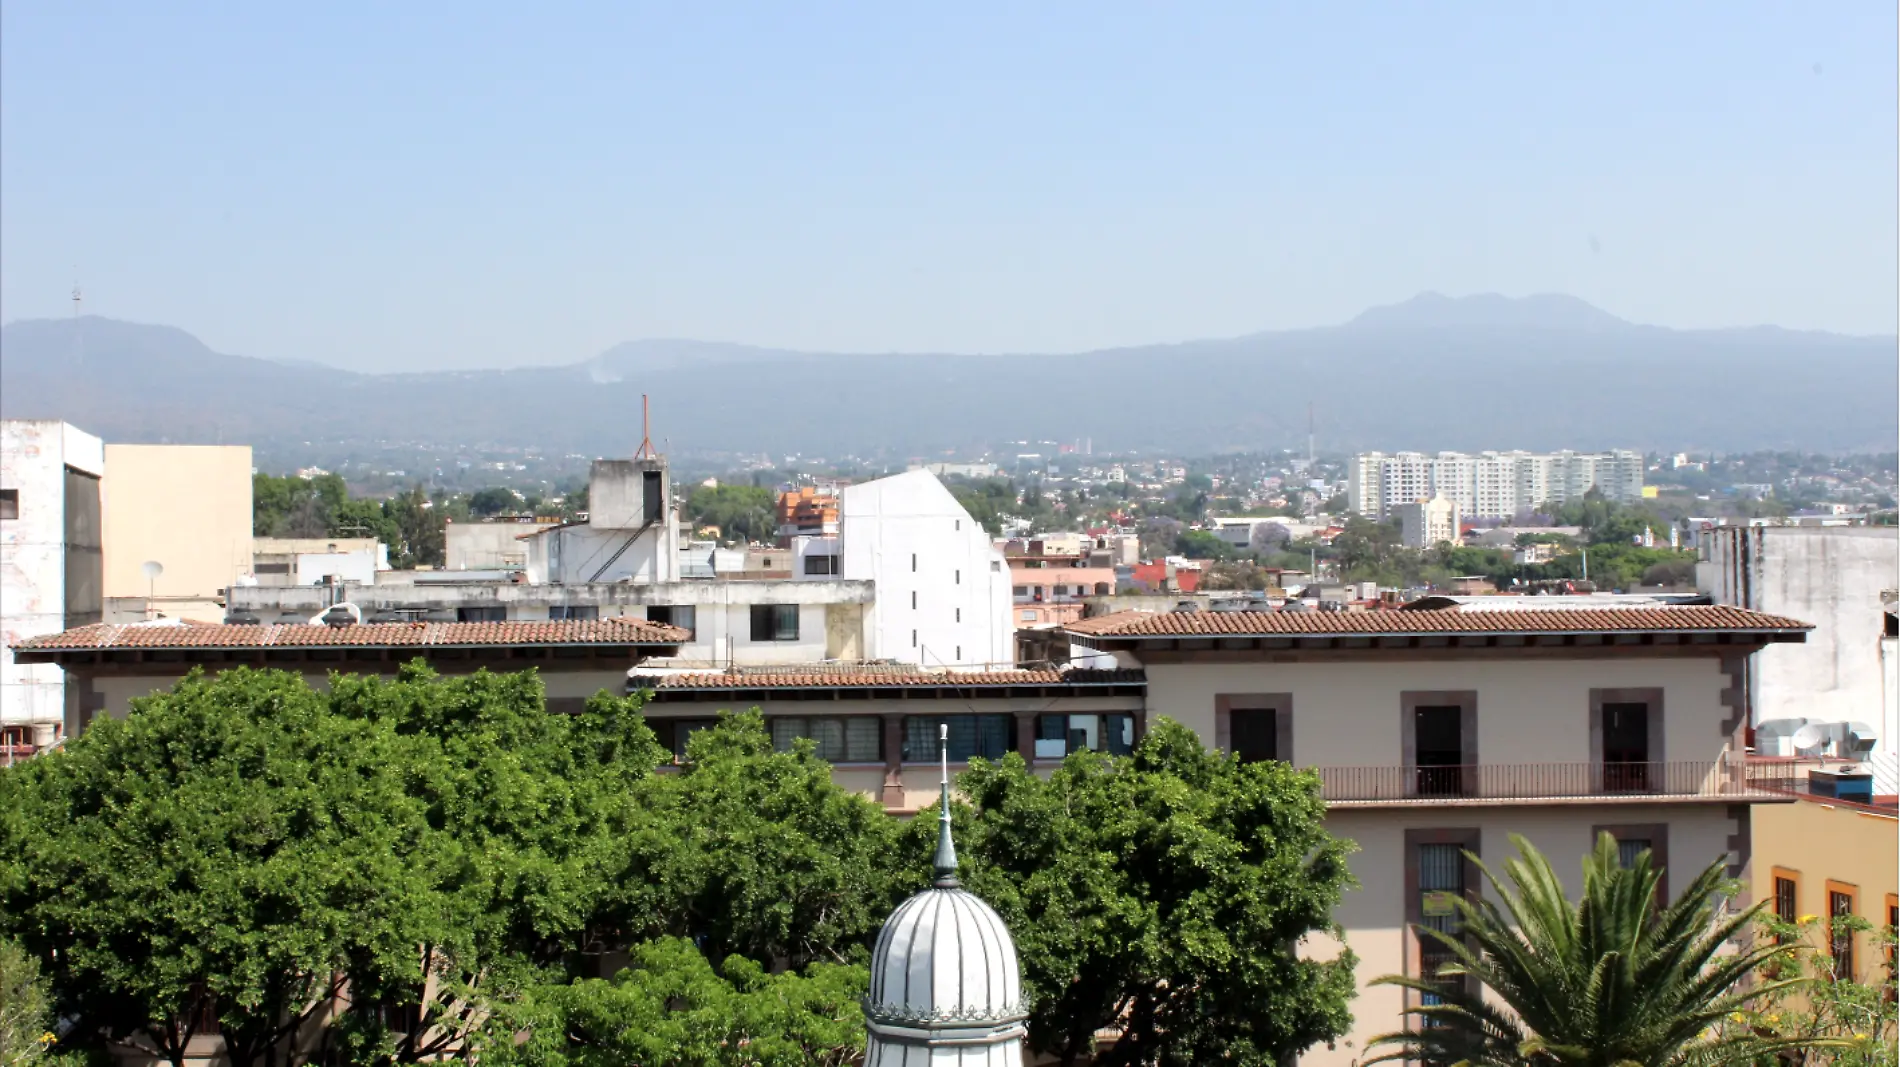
(829, 733)
(1628, 849)
(863, 739)
(785, 731)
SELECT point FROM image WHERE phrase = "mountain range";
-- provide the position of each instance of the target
(1434, 372)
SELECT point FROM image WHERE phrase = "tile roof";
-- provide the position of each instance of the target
(1659, 619)
(882, 679)
(610, 631)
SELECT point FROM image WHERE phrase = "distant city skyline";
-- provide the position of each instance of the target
(435, 187)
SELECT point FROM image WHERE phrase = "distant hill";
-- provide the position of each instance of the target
(1434, 372)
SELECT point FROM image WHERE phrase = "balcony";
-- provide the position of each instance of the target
(1544, 783)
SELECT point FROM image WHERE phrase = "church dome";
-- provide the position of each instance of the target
(945, 987)
(945, 958)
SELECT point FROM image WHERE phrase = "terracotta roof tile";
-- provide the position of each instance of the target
(611, 631)
(1660, 619)
(882, 679)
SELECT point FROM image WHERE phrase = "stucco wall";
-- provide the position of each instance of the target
(1817, 842)
(1374, 913)
(33, 457)
(1529, 710)
(479, 546)
(186, 507)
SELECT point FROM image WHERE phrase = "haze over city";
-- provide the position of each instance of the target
(439, 188)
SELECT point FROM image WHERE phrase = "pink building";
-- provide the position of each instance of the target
(1048, 587)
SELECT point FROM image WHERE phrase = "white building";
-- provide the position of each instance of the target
(631, 533)
(1490, 484)
(315, 560)
(1842, 579)
(943, 590)
(495, 545)
(52, 572)
(1424, 523)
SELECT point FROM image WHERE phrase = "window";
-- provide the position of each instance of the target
(996, 567)
(1840, 907)
(959, 653)
(775, 622)
(1441, 881)
(987, 736)
(1254, 726)
(684, 616)
(481, 614)
(913, 639)
(1787, 896)
(959, 524)
(1632, 840)
(959, 614)
(574, 611)
(959, 576)
(1059, 735)
(1893, 929)
(1020, 590)
(851, 739)
(913, 600)
(913, 563)
(674, 733)
(1626, 738)
(9, 503)
(1441, 742)
(1629, 849)
(1029, 616)
(270, 568)
(819, 563)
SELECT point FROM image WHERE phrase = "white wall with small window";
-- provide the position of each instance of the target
(943, 594)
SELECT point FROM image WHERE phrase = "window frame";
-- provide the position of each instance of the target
(1652, 696)
(1776, 876)
(774, 616)
(1464, 780)
(1470, 839)
(1104, 724)
(9, 503)
(844, 723)
(1008, 722)
(829, 567)
(1835, 942)
(1657, 834)
(1279, 704)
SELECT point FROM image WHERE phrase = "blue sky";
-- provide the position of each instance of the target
(435, 185)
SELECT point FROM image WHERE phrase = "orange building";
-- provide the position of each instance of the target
(809, 511)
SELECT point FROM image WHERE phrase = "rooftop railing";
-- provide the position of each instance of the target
(1536, 781)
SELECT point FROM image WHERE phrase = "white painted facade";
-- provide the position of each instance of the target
(632, 532)
(943, 590)
(488, 546)
(1490, 484)
(34, 553)
(1834, 578)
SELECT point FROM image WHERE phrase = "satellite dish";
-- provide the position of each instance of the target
(1810, 739)
(1771, 735)
(152, 569)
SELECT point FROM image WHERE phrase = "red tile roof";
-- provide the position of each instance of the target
(882, 679)
(611, 631)
(1660, 619)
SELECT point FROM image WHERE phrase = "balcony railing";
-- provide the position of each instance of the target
(1534, 781)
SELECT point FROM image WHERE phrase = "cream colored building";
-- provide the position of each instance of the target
(1427, 522)
(186, 508)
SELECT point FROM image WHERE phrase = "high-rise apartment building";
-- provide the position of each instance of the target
(1490, 485)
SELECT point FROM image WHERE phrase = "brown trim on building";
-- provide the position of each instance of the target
(1281, 704)
(1741, 849)
(1471, 840)
(1787, 874)
(1830, 887)
(1656, 833)
(1735, 696)
(1650, 696)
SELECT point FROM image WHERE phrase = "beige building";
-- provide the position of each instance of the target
(1428, 521)
(186, 508)
(1825, 857)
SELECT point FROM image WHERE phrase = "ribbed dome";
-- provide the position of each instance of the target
(944, 958)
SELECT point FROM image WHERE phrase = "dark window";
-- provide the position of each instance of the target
(775, 622)
(913, 562)
(1784, 899)
(674, 733)
(1059, 735)
(913, 600)
(9, 503)
(1625, 747)
(1254, 734)
(684, 616)
(1439, 749)
(987, 736)
(1840, 906)
(574, 612)
(481, 614)
(271, 568)
(913, 639)
(1628, 848)
(959, 577)
(1020, 590)
(821, 564)
(853, 739)
(1441, 880)
(652, 498)
(959, 614)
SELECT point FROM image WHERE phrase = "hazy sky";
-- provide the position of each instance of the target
(428, 185)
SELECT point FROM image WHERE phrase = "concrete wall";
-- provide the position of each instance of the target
(481, 546)
(1529, 710)
(1817, 842)
(35, 458)
(1831, 577)
(1374, 914)
(909, 535)
(186, 507)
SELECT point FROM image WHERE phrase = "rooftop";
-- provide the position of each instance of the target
(418, 635)
(1529, 618)
(876, 678)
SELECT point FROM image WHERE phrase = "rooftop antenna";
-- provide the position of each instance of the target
(646, 434)
(944, 866)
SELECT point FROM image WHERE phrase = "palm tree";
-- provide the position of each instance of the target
(1613, 981)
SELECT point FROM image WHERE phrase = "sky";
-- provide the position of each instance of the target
(437, 185)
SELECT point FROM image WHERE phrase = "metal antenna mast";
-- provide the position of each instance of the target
(646, 432)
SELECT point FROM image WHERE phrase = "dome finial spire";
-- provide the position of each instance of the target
(945, 863)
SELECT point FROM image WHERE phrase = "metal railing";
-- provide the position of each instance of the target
(1534, 781)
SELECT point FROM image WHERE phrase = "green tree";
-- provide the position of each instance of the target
(1202, 544)
(1164, 892)
(494, 500)
(229, 847)
(743, 513)
(1845, 1020)
(669, 1006)
(1621, 977)
(25, 1008)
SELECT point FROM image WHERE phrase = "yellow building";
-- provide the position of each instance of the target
(1829, 857)
(186, 508)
